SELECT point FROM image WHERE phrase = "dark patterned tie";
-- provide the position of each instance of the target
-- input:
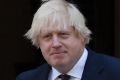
(64, 77)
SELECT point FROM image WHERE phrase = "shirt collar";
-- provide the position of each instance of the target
(54, 74)
(76, 71)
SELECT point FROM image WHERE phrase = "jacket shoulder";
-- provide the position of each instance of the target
(106, 60)
(110, 64)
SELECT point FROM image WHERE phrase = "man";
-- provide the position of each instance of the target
(59, 30)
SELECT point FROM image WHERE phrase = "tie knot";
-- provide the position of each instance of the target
(64, 77)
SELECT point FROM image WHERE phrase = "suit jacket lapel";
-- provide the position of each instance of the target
(93, 68)
(45, 73)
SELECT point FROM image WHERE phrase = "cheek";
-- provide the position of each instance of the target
(76, 51)
(44, 48)
(76, 46)
(45, 51)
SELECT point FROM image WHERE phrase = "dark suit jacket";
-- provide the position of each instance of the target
(97, 67)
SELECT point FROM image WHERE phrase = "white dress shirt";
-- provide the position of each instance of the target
(76, 72)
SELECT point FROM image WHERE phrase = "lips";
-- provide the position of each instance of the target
(58, 52)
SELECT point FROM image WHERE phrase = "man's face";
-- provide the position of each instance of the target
(60, 47)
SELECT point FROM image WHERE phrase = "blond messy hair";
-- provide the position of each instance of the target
(60, 11)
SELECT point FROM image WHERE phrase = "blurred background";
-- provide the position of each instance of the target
(18, 55)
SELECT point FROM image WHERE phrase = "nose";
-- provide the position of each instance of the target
(56, 42)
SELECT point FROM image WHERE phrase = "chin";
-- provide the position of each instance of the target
(59, 63)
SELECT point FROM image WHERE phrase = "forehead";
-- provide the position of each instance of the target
(56, 28)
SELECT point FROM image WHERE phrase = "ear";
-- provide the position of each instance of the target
(83, 40)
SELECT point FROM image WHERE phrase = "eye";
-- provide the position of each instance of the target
(47, 36)
(64, 35)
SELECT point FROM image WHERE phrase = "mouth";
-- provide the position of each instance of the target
(58, 52)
